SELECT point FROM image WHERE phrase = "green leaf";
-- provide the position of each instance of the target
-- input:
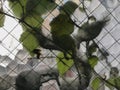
(18, 7)
(34, 21)
(63, 67)
(2, 17)
(92, 48)
(110, 80)
(61, 25)
(115, 81)
(93, 60)
(95, 83)
(81, 9)
(70, 7)
(29, 41)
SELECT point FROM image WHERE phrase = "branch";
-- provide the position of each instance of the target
(84, 72)
(49, 45)
(103, 79)
(43, 40)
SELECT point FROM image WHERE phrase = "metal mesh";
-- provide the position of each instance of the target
(109, 39)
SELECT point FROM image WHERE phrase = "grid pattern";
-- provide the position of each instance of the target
(40, 70)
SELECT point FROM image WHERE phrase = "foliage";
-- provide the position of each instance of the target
(28, 37)
(95, 83)
(93, 60)
(30, 14)
(2, 18)
(63, 65)
(115, 81)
